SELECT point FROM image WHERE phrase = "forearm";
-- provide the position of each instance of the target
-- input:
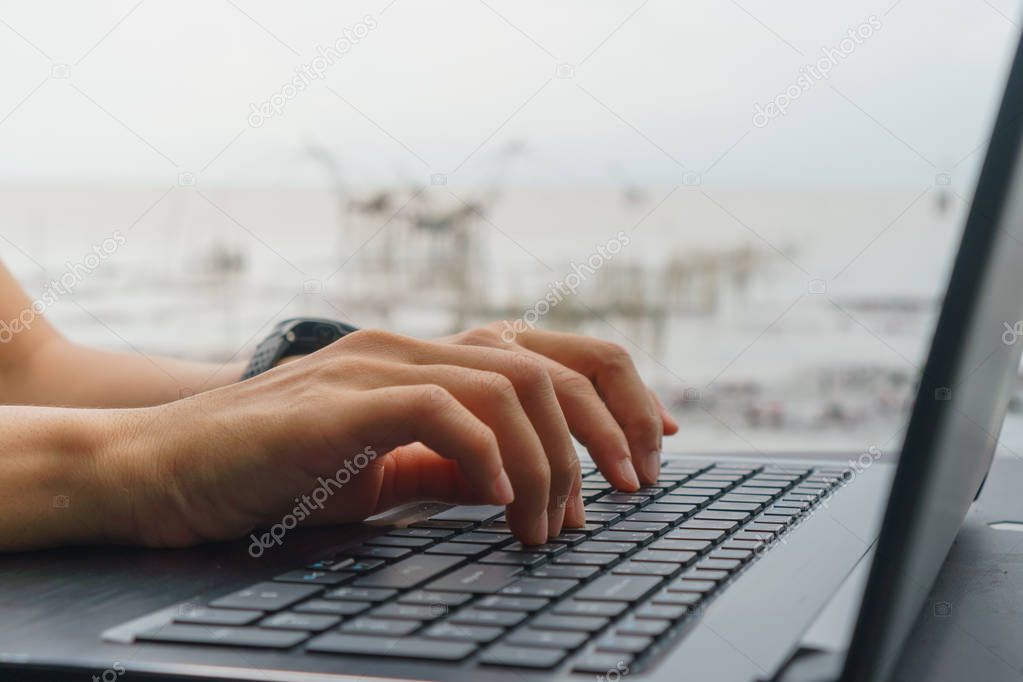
(62, 373)
(56, 487)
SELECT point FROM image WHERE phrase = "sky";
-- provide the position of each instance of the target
(528, 92)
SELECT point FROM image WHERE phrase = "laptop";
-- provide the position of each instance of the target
(774, 567)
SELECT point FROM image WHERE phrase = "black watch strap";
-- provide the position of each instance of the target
(295, 336)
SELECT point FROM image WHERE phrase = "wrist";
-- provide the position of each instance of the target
(56, 487)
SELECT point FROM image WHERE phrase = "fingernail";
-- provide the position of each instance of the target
(650, 463)
(503, 492)
(541, 529)
(629, 473)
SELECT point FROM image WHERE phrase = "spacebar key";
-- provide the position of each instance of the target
(405, 647)
(410, 572)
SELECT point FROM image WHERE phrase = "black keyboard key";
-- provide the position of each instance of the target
(624, 498)
(676, 510)
(448, 525)
(598, 547)
(602, 517)
(570, 537)
(410, 572)
(626, 644)
(721, 505)
(584, 559)
(475, 616)
(224, 636)
(640, 526)
(694, 534)
(669, 598)
(661, 611)
(333, 608)
(643, 627)
(636, 537)
(309, 622)
(476, 514)
(384, 627)
(315, 577)
(719, 564)
(575, 607)
(549, 588)
(759, 527)
(665, 556)
(371, 594)
(505, 603)
(548, 549)
(369, 552)
(544, 639)
(478, 538)
(680, 545)
(266, 596)
(482, 634)
(687, 585)
(202, 615)
(423, 612)
(465, 549)
(525, 559)
(522, 657)
(655, 517)
(645, 568)
(397, 541)
(708, 524)
(713, 575)
(603, 507)
(739, 554)
(568, 571)
(432, 533)
(407, 647)
(603, 665)
(627, 588)
(711, 515)
(432, 598)
(554, 621)
(477, 579)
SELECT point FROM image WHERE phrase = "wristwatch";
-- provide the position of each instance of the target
(295, 336)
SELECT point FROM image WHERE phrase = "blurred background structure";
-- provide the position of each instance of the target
(761, 202)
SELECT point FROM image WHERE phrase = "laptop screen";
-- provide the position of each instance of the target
(964, 393)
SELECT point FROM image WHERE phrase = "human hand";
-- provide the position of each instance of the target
(476, 418)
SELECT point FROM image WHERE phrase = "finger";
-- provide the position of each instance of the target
(386, 418)
(612, 371)
(593, 425)
(536, 394)
(670, 425)
(413, 473)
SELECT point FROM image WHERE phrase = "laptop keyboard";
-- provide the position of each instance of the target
(458, 587)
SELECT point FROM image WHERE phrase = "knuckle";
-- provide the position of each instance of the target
(481, 336)
(494, 384)
(575, 383)
(371, 338)
(538, 476)
(615, 355)
(431, 400)
(527, 372)
(642, 424)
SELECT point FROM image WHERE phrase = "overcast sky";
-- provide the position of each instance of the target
(646, 91)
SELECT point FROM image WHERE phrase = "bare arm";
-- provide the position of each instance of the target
(39, 366)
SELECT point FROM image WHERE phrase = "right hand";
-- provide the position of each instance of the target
(449, 421)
